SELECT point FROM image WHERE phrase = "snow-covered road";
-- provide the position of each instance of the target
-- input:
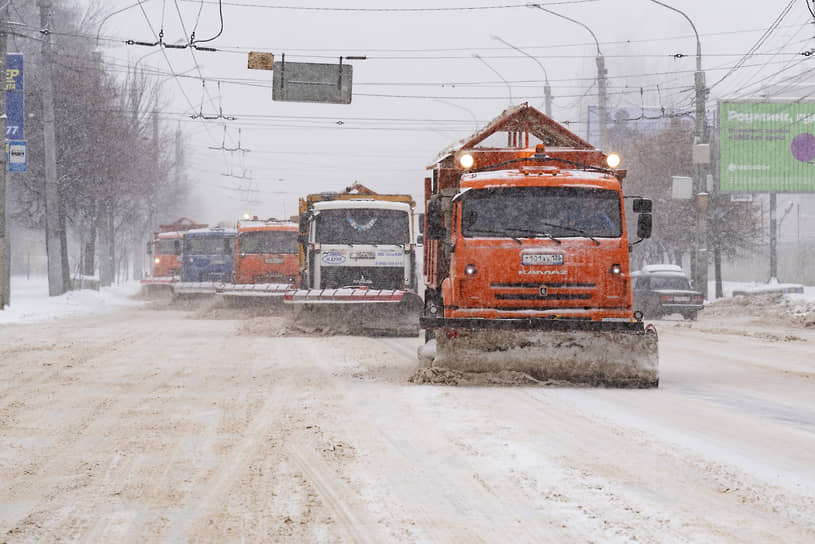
(157, 425)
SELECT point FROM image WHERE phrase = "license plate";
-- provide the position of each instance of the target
(541, 258)
(681, 299)
(274, 260)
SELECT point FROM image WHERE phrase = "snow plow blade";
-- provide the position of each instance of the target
(254, 290)
(255, 295)
(368, 312)
(197, 287)
(615, 354)
(157, 287)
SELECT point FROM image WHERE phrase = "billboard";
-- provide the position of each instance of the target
(767, 147)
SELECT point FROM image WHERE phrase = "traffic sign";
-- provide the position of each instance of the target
(16, 151)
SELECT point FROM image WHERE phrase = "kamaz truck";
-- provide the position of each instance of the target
(266, 263)
(526, 258)
(208, 260)
(165, 251)
(357, 257)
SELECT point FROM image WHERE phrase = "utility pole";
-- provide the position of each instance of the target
(699, 258)
(602, 87)
(53, 241)
(5, 254)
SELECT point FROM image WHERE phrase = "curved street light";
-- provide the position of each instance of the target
(602, 94)
(547, 91)
(700, 261)
(496, 72)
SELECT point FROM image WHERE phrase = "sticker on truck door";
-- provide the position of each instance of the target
(332, 258)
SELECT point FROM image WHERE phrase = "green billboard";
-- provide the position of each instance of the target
(767, 147)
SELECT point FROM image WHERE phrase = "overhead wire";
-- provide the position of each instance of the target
(758, 43)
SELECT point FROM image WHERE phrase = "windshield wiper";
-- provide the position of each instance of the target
(476, 232)
(573, 229)
(535, 233)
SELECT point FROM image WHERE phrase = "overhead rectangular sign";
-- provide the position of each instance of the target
(312, 82)
(14, 97)
(767, 147)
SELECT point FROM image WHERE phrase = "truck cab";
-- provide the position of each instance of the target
(166, 249)
(209, 255)
(266, 252)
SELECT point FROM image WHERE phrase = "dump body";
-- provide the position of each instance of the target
(357, 255)
(526, 262)
(208, 256)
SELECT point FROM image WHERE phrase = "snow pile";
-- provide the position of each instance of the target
(30, 301)
(795, 310)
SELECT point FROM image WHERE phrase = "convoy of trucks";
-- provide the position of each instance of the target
(525, 262)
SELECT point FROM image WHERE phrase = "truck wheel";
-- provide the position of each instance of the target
(689, 315)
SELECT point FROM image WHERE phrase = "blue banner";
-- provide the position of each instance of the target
(14, 97)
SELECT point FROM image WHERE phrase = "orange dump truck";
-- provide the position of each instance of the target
(165, 250)
(266, 262)
(526, 258)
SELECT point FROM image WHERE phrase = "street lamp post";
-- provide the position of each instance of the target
(700, 260)
(602, 91)
(496, 72)
(547, 91)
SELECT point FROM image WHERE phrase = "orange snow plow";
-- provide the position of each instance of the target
(265, 262)
(165, 250)
(526, 259)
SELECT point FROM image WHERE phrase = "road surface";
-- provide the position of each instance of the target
(158, 425)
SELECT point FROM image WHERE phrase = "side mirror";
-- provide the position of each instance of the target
(420, 240)
(149, 248)
(642, 205)
(435, 227)
(644, 225)
(421, 223)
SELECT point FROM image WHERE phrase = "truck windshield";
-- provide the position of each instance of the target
(267, 241)
(169, 247)
(199, 245)
(363, 226)
(559, 212)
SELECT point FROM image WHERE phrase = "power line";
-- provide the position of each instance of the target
(390, 10)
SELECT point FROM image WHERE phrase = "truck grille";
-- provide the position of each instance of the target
(375, 277)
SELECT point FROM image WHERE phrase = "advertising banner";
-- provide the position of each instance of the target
(14, 97)
(767, 147)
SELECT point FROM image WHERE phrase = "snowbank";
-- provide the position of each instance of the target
(30, 301)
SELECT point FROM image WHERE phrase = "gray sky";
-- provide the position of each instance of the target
(421, 88)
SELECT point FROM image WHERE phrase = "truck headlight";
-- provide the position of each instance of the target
(470, 270)
(615, 269)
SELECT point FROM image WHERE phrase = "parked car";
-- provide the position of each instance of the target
(664, 289)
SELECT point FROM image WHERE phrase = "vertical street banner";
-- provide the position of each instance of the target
(14, 96)
(767, 147)
(17, 159)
